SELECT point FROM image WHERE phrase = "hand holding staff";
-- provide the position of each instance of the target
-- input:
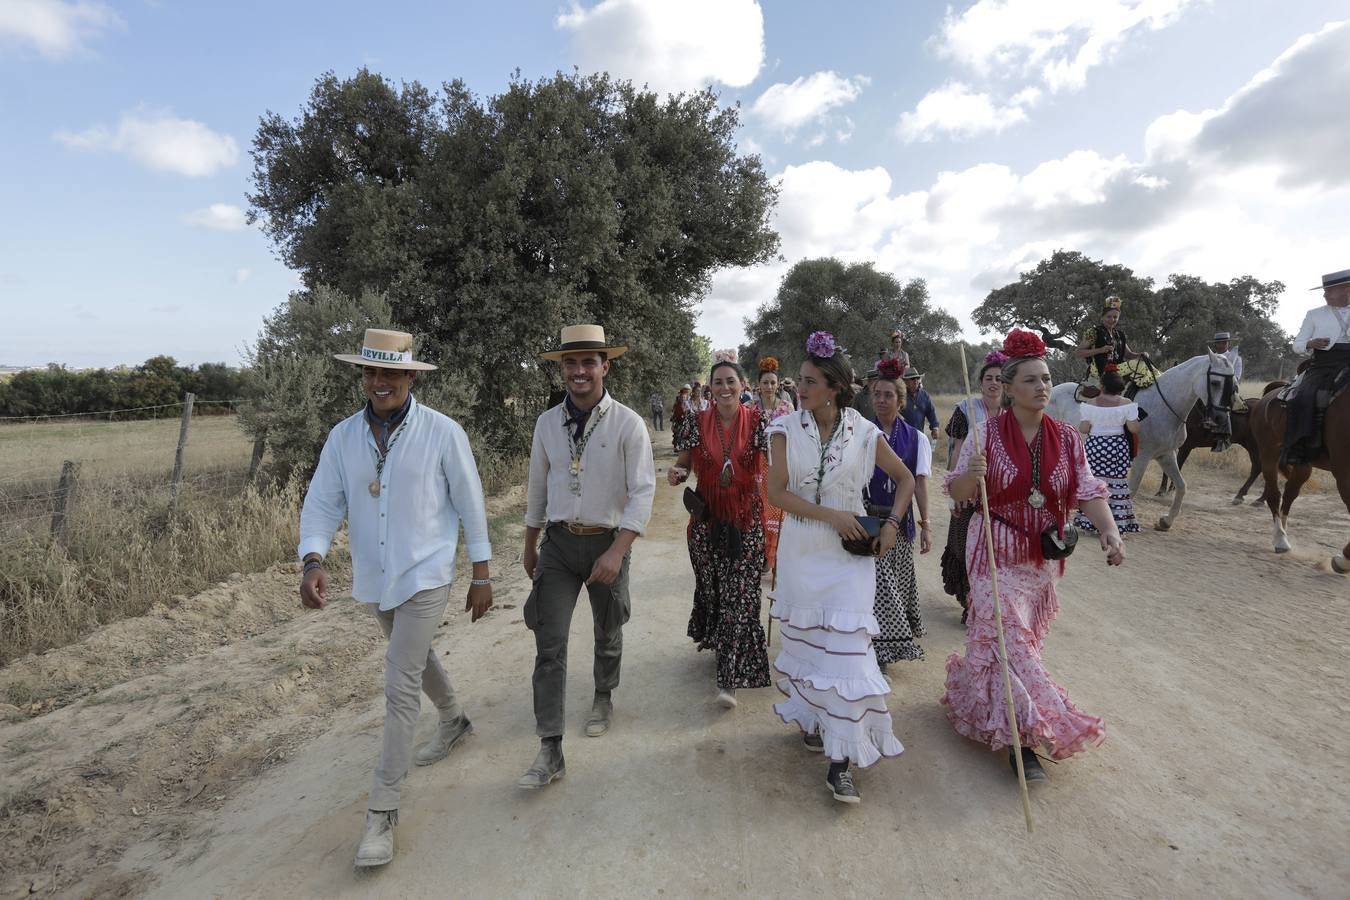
(979, 469)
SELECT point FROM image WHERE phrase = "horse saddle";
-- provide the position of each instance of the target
(1086, 392)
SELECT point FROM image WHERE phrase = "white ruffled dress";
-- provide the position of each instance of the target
(824, 598)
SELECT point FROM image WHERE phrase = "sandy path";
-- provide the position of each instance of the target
(1220, 669)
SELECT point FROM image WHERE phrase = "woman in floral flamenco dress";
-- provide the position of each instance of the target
(1037, 473)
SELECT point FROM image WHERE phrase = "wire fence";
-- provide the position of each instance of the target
(121, 456)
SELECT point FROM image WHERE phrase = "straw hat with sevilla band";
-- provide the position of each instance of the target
(584, 339)
(385, 349)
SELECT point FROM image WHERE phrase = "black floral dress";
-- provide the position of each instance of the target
(727, 574)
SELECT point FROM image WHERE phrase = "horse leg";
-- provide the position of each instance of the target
(1341, 564)
(1251, 477)
(1137, 474)
(1169, 465)
(1293, 485)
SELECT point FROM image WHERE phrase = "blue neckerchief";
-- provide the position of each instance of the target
(385, 427)
(576, 416)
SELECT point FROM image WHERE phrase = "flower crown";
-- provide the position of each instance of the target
(729, 355)
(768, 364)
(821, 345)
(890, 369)
(1021, 344)
(1110, 303)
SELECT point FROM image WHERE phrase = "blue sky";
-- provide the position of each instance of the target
(960, 144)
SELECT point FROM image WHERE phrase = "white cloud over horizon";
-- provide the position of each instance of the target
(158, 140)
(789, 107)
(218, 217)
(55, 29)
(955, 110)
(1257, 186)
(670, 46)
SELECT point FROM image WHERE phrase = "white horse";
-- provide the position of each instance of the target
(1208, 378)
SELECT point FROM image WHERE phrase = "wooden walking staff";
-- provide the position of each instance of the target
(998, 613)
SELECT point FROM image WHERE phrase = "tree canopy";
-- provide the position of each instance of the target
(488, 224)
(859, 306)
(1061, 298)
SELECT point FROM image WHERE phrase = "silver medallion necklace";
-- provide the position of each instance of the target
(579, 447)
(1036, 499)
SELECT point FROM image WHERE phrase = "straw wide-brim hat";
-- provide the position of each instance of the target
(911, 373)
(583, 338)
(385, 349)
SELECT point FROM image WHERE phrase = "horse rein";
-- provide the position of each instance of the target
(1228, 382)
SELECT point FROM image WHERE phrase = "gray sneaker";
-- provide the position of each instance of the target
(377, 843)
(448, 734)
(598, 721)
(841, 786)
(814, 742)
(547, 768)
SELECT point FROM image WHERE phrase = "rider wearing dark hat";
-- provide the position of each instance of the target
(1326, 332)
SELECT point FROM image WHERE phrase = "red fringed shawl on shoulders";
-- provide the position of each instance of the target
(736, 502)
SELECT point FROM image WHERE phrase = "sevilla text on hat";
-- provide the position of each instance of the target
(386, 349)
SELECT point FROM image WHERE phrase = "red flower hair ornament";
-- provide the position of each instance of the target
(890, 369)
(768, 364)
(1111, 367)
(1021, 344)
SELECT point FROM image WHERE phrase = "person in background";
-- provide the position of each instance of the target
(771, 406)
(658, 412)
(790, 388)
(897, 349)
(897, 596)
(404, 477)
(1326, 333)
(1107, 421)
(918, 405)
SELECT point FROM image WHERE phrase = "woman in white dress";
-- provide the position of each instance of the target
(1105, 421)
(820, 459)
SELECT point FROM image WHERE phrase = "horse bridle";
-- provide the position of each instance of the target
(1229, 389)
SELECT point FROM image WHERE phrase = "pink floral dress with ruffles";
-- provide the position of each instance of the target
(974, 695)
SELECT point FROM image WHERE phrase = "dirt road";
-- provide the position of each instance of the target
(1220, 669)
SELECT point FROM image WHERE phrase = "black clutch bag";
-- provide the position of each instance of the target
(697, 506)
(870, 524)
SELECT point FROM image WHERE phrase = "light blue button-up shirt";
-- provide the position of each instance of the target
(404, 540)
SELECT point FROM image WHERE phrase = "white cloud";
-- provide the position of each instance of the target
(159, 141)
(1258, 186)
(1057, 41)
(789, 107)
(218, 217)
(56, 29)
(956, 111)
(241, 275)
(670, 46)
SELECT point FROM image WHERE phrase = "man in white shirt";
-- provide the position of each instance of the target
(1326, 332)
(405, 479)
(592, 481)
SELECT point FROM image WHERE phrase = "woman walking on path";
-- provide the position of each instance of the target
(1105, 420)
(771, 405)
(955, 581)
(724, 447)
(819, 460)
(897, 597)
(1036, 474)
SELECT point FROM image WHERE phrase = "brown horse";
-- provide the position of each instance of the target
(1267, 424)
(1198, 437)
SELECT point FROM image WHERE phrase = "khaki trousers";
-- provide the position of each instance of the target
(410, 668)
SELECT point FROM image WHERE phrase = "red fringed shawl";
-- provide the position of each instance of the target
(1009, 486)
(735, 502)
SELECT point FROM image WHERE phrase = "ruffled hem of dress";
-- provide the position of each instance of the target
(861, 745)
(849, 687)
(978, 712)
(813, 618)
(902, 651)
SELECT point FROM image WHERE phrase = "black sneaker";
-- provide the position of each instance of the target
(814, 742)
(841, 785)
(1030, 764)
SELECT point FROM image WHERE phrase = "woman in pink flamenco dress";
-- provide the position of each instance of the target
(1037, 473)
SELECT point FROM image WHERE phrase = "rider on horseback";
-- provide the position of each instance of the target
(1326, 332)
(1105, 344)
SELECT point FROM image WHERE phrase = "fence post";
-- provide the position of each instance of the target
(254, 464)
(65, 494)
(182, 444)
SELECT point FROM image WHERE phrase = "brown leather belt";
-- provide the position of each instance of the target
(584, 530)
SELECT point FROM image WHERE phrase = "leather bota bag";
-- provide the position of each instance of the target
(864, 547)
(1053, 547)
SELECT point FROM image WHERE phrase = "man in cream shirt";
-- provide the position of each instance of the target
(405, 479)
(1325, 332)
(592, 481)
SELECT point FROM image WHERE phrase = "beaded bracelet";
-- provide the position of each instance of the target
(311, 566)
(480, 582)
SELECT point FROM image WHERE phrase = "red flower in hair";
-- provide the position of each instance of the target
(1111, 367)
(1019, 344)
(890, 369)
(768, 364)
